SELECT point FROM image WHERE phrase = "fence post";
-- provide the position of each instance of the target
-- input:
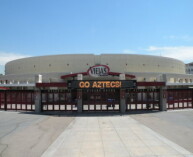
(122, 96)
(37, 95)
(192, 97)
(122, 101)
(163, 94)
(163, 99)
(79, 100)
(37, 98)
(79, 95)
(5, 101)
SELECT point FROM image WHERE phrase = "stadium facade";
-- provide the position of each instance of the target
(97, 82)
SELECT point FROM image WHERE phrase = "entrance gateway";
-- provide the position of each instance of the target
(79, 98)
(99, 93)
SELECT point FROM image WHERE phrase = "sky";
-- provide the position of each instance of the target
(48, 27)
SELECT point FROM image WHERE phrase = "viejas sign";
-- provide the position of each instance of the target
(98, 70)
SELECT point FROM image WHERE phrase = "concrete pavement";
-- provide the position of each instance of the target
(175, 125)
(29, 135)
(112, 136)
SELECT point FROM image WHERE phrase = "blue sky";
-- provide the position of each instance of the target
(48, 27)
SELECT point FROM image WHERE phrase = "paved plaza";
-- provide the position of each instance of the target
(93, 135)
(112, 136)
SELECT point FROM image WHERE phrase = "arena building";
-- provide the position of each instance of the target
(87, 82)
(189, 68)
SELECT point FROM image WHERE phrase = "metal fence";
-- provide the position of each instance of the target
(17, 100)
(95, 99)
(179, 98)
(101, 100)
(142, 99)
(58, 100)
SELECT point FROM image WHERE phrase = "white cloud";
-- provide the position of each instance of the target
(183, 53)
(181, 38)
(6, 57)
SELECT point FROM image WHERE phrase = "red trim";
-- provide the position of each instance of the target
(85, 73)
(63, 84)
(4, 88)
(117, 74)
(151, 84)
(52, 84)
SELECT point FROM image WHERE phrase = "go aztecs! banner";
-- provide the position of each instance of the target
(102, 84)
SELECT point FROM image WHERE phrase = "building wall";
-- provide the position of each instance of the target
(122, 63)
(189, 68)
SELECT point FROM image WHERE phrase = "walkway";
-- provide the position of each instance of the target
(112, 136)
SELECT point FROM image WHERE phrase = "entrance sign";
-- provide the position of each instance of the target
(143, 90)
(98, 70)
(102, 84)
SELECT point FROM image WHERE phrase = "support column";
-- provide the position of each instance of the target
(122, 101)
(122, 96)
(5, 100)
(37, 95)
(163, 94)
(163, 99)
(79, 95)
(79, 100)
(38, 105)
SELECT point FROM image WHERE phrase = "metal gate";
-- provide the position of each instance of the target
(101, 100)
(179, 98)
(17, 100)
(59, 100)
(142, 99)
(3, 100)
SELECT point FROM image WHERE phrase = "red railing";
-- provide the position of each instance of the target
(17, 100)
(179, 98)
(142, 99)
(101, 100)
(59, 100)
